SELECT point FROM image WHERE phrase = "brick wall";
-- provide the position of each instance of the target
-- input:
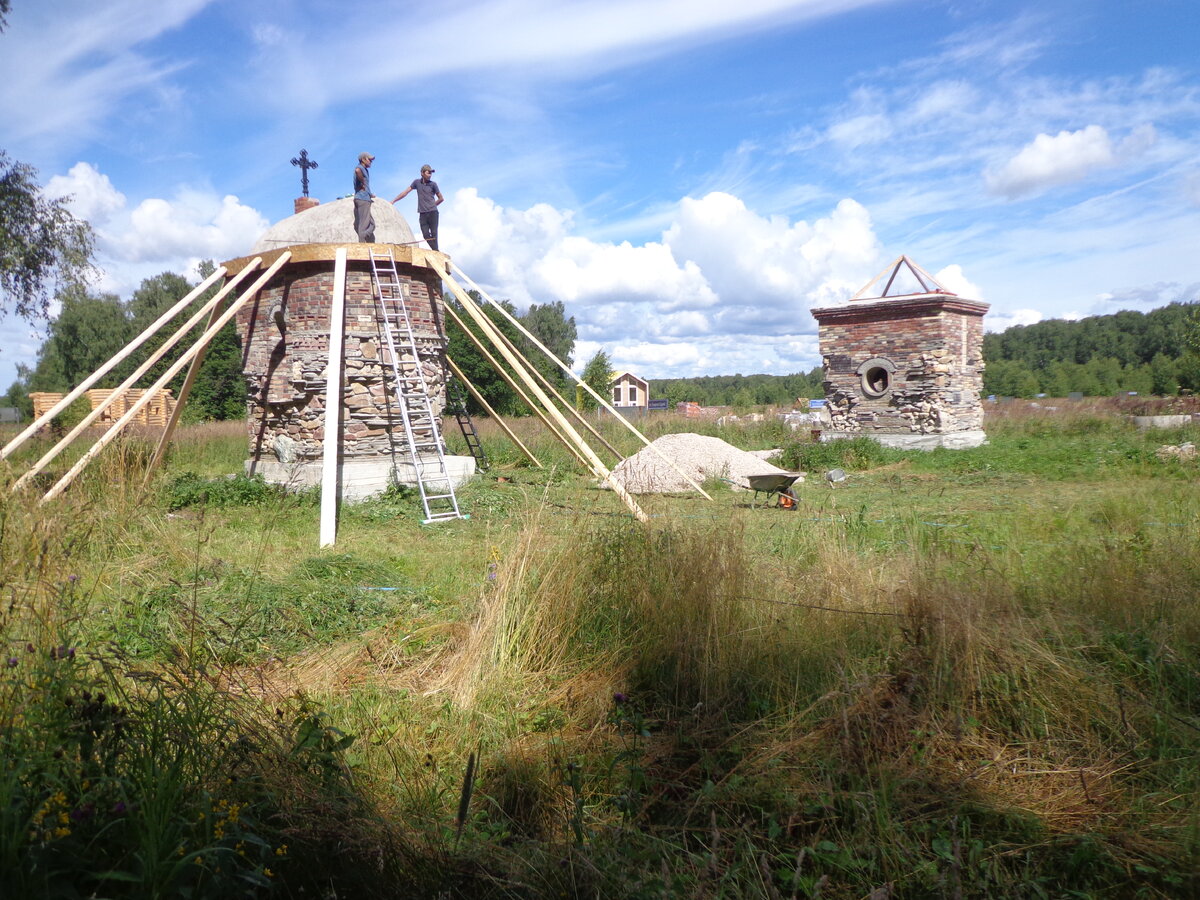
(285, 352)
(931, 349)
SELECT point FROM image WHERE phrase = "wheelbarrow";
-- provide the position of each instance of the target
(777, 485)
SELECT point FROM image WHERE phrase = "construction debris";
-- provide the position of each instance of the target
(699, 456)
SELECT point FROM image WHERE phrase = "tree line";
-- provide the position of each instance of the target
(1157, 352)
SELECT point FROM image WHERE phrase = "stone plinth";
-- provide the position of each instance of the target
(907, 371)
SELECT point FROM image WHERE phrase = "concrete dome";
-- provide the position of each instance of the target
(333, 223)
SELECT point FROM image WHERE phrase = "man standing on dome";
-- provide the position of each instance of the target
(364, 222)
(429, 198)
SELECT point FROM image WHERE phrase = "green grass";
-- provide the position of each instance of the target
(954, 674)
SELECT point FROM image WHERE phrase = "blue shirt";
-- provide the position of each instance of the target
(362, 187)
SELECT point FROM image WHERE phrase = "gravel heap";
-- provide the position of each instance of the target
(699, 456)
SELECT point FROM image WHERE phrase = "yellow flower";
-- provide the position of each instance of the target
(268, 873)
(281, 850)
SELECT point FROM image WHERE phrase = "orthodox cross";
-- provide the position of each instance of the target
(305, 164)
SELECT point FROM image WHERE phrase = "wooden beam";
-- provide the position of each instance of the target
(129, 382)
(333, 403)
(508, 379)
(491, 412)
(597, 466)
(108, 366)
(600, 400)
(118, 426)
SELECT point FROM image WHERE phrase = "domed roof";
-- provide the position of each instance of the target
(333, 223)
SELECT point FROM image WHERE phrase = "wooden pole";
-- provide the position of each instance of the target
(141, 370)
(508, 379)
(108, 366)
(181, 401)
(333, 403)
(491, 412)
(118, 426)
(597, 466)
(579, 381)
(575, 414)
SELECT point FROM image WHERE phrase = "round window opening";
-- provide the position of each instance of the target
(875, 381)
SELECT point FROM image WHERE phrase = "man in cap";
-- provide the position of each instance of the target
(429, 198)
(364, 222)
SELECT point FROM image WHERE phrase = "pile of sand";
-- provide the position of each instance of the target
(699, 456)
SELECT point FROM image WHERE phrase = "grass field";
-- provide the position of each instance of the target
(955, 674)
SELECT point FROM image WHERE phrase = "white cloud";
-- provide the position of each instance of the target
(92, 195)
(953, 280)
(859, 130)
(725, 287)
(1066, 157)
(999, 321)
(193, 223)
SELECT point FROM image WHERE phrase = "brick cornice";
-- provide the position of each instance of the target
(873, 310)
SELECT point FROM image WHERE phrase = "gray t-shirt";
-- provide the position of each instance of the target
(427, 192)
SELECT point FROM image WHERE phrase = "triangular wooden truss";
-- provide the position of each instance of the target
(898, 279)
(541, 397)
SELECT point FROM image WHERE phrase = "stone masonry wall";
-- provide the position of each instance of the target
(936, 347)
(285, 352)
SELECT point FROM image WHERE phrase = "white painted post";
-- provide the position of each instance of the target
(333, 403)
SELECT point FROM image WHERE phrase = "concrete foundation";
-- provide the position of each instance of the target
(360, 479)
(957, 440)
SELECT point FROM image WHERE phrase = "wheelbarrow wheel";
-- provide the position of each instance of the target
(788, 500)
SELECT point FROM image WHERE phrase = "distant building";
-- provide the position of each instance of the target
(629, 391)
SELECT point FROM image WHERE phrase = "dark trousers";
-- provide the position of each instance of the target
(429, 223)
(364, 222)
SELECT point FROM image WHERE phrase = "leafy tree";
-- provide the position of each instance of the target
(550, 325)
(41, 242)
(475, 365)
(597, 374)
(90, 330)
(1164, 376)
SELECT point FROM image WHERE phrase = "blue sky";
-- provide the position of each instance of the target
(689, 177)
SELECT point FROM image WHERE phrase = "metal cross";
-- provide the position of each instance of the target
(305, 164)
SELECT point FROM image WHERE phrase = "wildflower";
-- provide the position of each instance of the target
(72, 578)
(83, 813)
(11, 662)
(268, 872)
(119, 808)
(281, 850)
(620, 698)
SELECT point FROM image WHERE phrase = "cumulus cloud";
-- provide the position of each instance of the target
(724, 287)
(92, 195)
(1063, 158)
(953, 280)
(157, 234)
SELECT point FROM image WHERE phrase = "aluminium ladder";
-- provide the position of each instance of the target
(424, 443)
(456, 396)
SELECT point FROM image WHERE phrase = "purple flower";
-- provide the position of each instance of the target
(72, 578)
(620, 698)
(83, 813)
(11, 662)
(119, 808)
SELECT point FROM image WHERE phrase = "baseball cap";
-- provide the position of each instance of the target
(428, 168)
(363, 157)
